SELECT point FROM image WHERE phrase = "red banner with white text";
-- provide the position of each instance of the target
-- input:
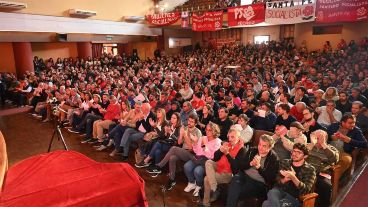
(209, 21)
(163, 19)
(341, 10)
(246, 15)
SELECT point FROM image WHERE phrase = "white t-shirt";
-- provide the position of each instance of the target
(323, 117)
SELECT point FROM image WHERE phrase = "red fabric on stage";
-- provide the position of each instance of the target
(68, 178)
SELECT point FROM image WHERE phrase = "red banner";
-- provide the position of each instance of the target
(209, 21)
(341, 10)
(163, 19)
(246, 15)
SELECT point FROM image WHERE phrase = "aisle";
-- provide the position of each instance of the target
(357, 196)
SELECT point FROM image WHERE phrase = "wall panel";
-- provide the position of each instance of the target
(7, 63)
(54, 50)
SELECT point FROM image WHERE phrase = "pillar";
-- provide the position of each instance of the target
(84, 49)
(23, 58)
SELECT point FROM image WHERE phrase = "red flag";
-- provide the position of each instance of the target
(184, 19)
(342, 11)
(209, 21)
(246, 15)
(163, 19)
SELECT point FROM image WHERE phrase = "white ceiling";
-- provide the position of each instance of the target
(170, 5)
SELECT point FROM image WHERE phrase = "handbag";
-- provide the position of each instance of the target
(200, 160)
(150, 135)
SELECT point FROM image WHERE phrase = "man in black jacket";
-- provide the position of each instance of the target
(143, 126)
(224, 122)
(258, 168)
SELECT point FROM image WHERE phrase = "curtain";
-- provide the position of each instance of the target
(97, 49)
(122, 48)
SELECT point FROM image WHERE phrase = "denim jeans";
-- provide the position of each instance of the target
(89, 124)
(116, 134)
(83, 124)
(243, 186)
(279, 198)
(194, 173)
(130, 135)
(175, 153)
(157, 150)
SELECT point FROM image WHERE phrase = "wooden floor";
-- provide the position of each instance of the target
(26, 136)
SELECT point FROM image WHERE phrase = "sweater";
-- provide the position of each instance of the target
(207, 150)
(269, 170)
(223, 163)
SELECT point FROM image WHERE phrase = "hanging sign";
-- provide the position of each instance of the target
(163, 19)
(246, 15)
(290, 12)
(184, 19)
(209, 21)
(329, 11)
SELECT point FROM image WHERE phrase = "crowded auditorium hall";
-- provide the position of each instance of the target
(183, 103)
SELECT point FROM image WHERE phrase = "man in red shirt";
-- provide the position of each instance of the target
(197, 102)
(111, 113)
(297, 111)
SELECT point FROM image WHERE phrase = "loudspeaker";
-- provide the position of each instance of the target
(61, 37)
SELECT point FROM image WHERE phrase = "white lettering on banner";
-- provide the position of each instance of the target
(163, 15)
(329, 1)
(247, 13)
(357, 4)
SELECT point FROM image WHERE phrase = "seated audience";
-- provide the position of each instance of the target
(345, 136)
(166, 139)
(175, 153)
(222, 167)
(257, 171)
(135, 134)
(246, 132)
(322, 157)
(204, 149)
(328, 114)
(295, 178)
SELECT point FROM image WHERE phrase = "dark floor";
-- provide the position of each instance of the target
(26, 136)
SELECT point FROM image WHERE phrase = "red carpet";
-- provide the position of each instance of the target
(357, 196)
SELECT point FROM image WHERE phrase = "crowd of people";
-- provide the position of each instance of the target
(193, 108)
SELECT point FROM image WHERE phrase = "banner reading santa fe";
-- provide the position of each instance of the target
(246, 15)
(209, 21)
(341, 10)
(290, 12)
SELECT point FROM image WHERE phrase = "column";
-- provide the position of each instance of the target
(23, 58)
(84, 49)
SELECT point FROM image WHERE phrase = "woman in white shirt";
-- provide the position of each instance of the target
(186, 92)
(246, 132)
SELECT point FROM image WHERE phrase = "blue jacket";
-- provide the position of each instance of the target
(356, 135)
